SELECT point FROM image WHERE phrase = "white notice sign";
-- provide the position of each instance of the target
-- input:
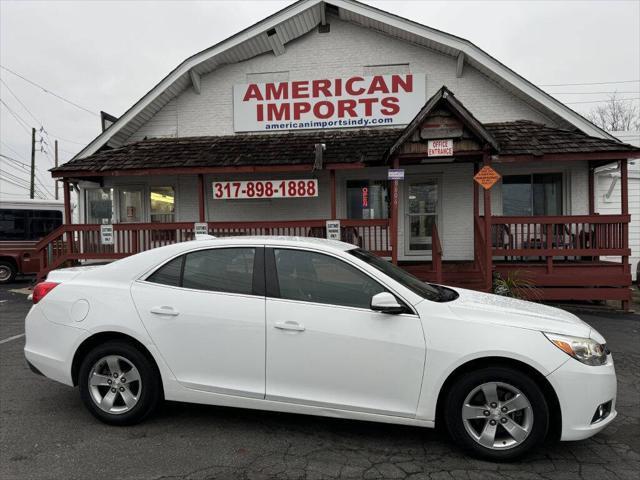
(333, 229)
(106, 234)
(440, 148)
(201, 229)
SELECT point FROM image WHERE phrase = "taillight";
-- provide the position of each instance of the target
(41, 290)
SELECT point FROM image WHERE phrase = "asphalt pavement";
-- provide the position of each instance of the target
(45, 433)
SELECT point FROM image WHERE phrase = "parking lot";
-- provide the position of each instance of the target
(46, 433)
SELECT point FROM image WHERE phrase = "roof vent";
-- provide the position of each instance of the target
(271, 32)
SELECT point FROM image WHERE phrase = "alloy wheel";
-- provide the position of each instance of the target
(115, 384)
(497, 415)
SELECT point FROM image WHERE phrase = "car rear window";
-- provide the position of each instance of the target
(168, 274)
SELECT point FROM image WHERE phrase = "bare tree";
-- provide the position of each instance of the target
(616, 115)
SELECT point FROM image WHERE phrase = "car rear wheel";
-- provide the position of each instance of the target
(496, 413)
(119, 384)
(7, 271)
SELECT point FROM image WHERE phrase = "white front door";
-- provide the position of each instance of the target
(422, 211)
(207, 319)
(326, 347)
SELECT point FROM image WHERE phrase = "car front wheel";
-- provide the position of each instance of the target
(119, 384)
(496, 413)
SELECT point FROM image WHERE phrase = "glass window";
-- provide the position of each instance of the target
(130, 200)
(220, 270)
(19, 224)
(536, 194)
(367, 199)
(168, 274)
(431, 292)
(100, 205)
(162, 204)
(314, 277)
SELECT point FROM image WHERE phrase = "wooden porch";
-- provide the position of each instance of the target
(560, 256)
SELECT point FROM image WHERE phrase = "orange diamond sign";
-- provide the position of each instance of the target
(487, 177)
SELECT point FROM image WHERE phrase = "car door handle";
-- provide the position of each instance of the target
(295, 326)
(165, 310)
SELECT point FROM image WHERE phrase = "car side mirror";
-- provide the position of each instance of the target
(386, 303)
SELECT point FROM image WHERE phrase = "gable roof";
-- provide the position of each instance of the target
(297, 20)
(445, 97)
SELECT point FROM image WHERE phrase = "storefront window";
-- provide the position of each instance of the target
(100, 205)
(367, 199)
(130, 200)
(537, 194)
(163, 204)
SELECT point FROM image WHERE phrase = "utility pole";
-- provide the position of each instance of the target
(56, 164)
(32, 190)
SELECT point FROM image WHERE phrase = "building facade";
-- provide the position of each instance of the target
(338, 112)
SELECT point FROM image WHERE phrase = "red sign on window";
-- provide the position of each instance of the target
(365, 197)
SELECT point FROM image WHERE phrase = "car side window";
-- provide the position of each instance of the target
(168, 274)
(318, 278)
(220, 270)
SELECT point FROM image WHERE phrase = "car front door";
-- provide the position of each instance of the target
(205, 311)
(326, 347)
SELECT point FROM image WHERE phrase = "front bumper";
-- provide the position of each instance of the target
(581, 389)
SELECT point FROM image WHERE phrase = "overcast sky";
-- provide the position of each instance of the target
(106, 55)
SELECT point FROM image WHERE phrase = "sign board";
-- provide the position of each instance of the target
(200, 229)
(299, 188)
(355, 101)
(440, 148)
(106, 234)
(396, 174)
(333, 229)
(487, 177)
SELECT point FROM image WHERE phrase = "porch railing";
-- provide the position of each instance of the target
(83, 241)
(573, 237)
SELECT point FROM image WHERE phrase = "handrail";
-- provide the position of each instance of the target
(82, 241)
(547, 219)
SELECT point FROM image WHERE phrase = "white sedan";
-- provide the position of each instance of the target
(323, 328)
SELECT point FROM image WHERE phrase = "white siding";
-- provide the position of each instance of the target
(347, 50)
(611, 205)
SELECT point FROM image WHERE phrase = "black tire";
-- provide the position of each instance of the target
(465, 385)
(149, 395)
(8, 271)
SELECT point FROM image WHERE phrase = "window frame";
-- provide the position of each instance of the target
(273, 287)
(257, 281)
(564, 194)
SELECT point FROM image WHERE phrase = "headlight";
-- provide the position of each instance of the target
(584, 350)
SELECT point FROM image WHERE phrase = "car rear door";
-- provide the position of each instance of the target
(326, 347)
(205, 311)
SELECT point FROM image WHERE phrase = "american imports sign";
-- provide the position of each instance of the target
(328, 103)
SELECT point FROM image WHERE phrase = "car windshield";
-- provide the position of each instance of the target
(435, 293)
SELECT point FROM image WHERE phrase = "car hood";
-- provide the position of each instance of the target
(517, 313)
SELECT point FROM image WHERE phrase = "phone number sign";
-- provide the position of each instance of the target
(265, 189)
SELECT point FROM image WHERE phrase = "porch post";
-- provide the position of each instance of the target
(67, 215)
(332, 178)
(476, 200)
(486, 160)
(67, 202)
(592, 208)
(624, 209)
(394, 216)
(201, 198)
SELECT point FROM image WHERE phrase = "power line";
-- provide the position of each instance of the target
(17, 117)
(13, 150)
(49, 91)
(37, 190)
(589, 93)
(20, 102)
(587, 83)
(601, 101)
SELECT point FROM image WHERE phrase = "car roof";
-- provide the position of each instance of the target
(307, 242)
